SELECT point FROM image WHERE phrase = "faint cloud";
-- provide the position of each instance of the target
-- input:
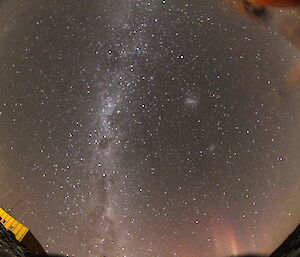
(191, 101)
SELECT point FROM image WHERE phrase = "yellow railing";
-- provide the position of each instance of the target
(11, 224)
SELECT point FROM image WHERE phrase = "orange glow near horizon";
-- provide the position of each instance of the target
(277, 3)
(225, 240)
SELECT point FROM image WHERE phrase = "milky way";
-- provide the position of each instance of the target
(148, 128)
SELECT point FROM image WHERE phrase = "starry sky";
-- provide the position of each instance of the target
(148, 128)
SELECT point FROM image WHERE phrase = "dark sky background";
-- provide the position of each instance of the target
(148, 128)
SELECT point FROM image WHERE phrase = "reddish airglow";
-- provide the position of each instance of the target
(277, 3)
(225, 240)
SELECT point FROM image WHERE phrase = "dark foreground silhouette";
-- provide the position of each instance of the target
(289, 248)
(10, 247)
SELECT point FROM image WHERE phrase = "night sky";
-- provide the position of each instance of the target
(148, 128)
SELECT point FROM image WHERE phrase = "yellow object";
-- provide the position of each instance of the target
(11, 224)
(22, 233)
